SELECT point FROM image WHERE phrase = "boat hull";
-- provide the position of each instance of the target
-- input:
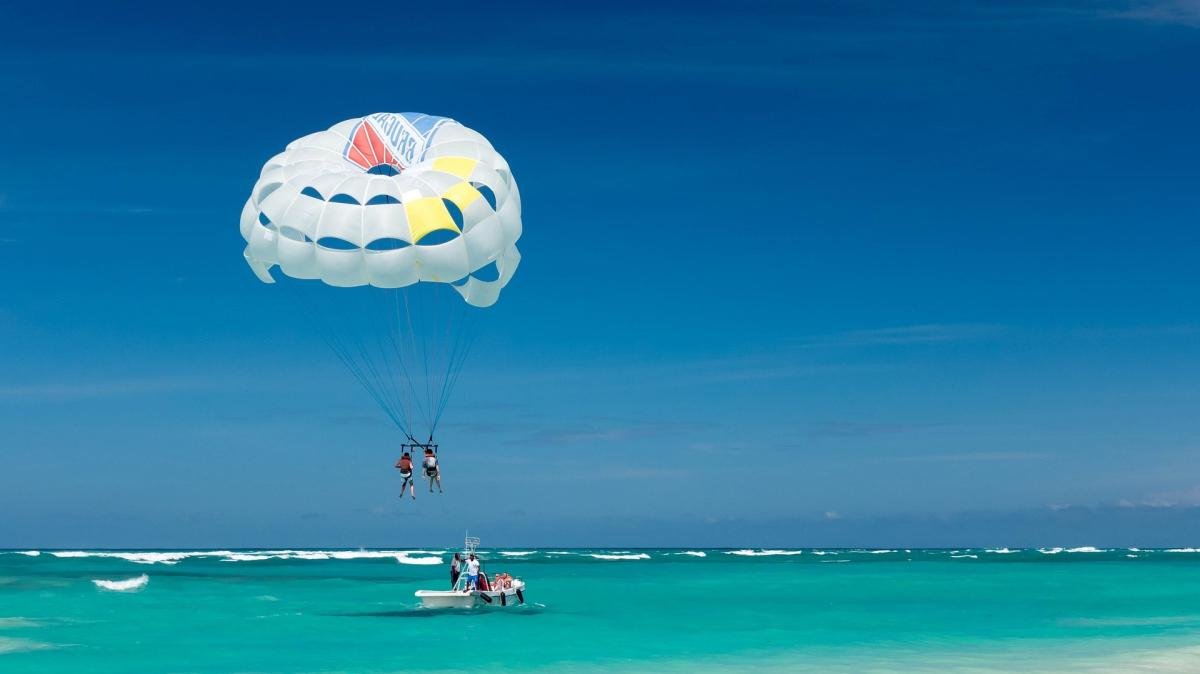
(469, 598)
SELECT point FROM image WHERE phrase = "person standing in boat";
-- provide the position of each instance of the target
(455, 570)
(405, 465)
(472, 572)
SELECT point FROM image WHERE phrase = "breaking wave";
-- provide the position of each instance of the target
(141, 557)
(763, 553)
(127, 585)
(640, 555)
(518, 553)
(424, 561)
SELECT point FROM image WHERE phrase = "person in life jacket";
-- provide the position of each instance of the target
(405, 465)
(432, 471)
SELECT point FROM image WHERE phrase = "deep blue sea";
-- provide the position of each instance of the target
(700, 610)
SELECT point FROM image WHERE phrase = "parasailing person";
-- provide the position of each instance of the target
(406, 471)
(433, 472)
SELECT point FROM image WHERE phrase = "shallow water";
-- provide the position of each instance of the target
(629, 610)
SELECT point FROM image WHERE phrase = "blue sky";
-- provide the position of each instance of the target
(817, 275)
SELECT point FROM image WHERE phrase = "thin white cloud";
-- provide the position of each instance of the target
(859, 429)
(954, 457)
(1174, 12)
(1181, 498)
(930, 333)
(68, 391)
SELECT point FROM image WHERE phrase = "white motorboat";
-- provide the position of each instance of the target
(500, 589)
(472, 598)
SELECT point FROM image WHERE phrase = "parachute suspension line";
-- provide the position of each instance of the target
(387, 364)
(460, 347)
(422, 352)
(379, 382)
(398, 340)
(366, 374)
(341, 350)
(392, 313)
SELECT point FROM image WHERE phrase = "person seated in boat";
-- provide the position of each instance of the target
(405, 465)
(432, 471)
(472, 572)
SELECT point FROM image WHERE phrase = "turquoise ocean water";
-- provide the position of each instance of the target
(695, 610)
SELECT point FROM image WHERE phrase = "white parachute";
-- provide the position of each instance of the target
(388, 200)
(373, 207)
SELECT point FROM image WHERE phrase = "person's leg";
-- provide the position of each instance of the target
(439, 480)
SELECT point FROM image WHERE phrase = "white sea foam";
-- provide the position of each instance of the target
(823, 552)
(518, 553)
(359, 554)
(423, 561)
(640, 555)
(1131, 556)
(1001, 551)
(1050, 551)
(251, 555)
(245, 557)
(965, 556)
(12, 645)
(29, 553)
(692, 553)
(127, 585)
(559, 552)
(141, 557)
(7, 623)
(835, 561)
(1183, 550)
(322, 555)
(1086, 548)
(763, 553)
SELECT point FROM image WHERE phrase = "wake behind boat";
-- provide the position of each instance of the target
(499, 590)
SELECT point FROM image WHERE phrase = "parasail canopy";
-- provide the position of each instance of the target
(388, 200)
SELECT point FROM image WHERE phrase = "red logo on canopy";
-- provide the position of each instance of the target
(368, 149)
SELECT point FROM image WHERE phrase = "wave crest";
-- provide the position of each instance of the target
(127, 585)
